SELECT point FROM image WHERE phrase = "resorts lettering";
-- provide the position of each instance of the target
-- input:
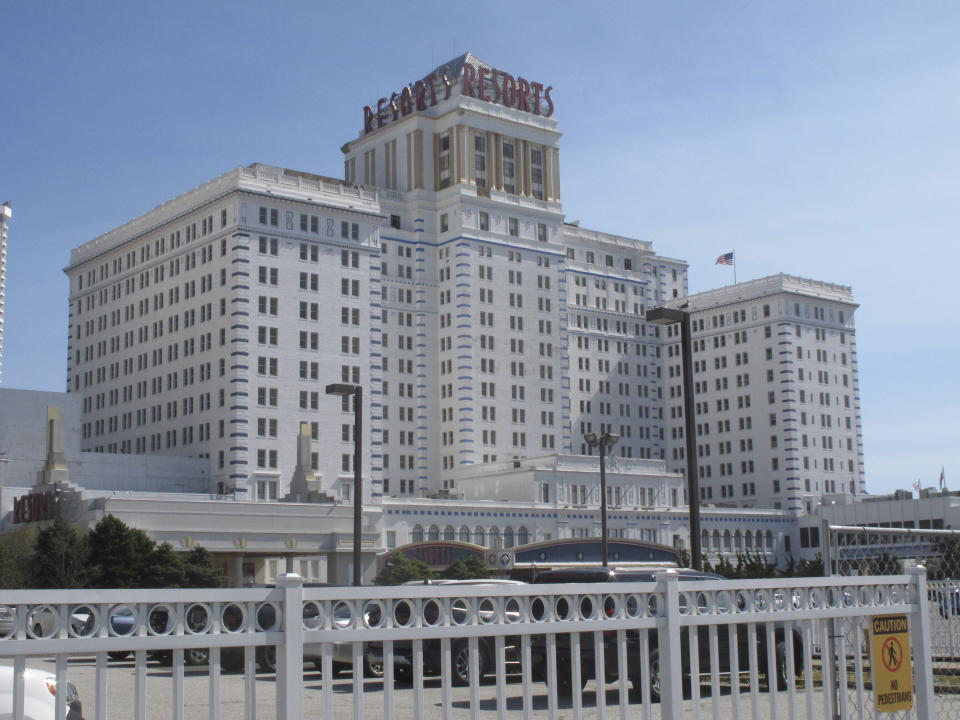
(35, 507)
(479, 82)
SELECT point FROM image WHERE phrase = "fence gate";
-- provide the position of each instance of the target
(866, 550)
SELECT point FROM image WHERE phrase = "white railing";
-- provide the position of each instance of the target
(665, 649)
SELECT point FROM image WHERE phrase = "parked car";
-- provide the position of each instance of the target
(40, 696)
(122, 622)
(459, 647)
(231, 658)
(43, 620)
(947, 598)
(565, 686)
(7, 621)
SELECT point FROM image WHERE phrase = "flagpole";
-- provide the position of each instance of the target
(734, 266)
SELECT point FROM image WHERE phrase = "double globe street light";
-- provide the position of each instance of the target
(602, 441)
(356, 392)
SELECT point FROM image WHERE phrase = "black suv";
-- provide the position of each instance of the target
(611, 651)
(459, 647)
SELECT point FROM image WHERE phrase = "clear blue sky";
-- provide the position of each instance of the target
(820, 139)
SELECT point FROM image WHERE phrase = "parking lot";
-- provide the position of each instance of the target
(121, 706)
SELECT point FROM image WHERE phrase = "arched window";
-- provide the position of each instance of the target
(464, 534)
(478, 536)
(738, 540)
(726, 539)
(748, 539)
(449, 533)
(433, 533)
(493, 537)
(417, 534)
(716, 539)
(523, 537)
(508, 537)
(758, 539)
(705, 539)
(769, 540)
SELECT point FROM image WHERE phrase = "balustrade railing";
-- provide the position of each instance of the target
(670, 648)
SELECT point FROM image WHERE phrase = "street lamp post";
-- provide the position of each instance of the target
(602, 441)
(669, 316)
(356, 392)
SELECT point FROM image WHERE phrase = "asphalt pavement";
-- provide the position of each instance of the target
(120, 697)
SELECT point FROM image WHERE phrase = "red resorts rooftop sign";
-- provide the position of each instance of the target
(479, 81)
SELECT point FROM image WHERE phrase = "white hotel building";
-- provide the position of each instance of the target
(776, 394)
(488, 334)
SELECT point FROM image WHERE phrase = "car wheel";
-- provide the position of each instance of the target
(655, 680)
(164, 657)
(267, 659)
(196, 656)
(231, 659)
(460, 663)
(118, 654)
(565, 688)
(781, 651)
(403, 675)
(372, 670)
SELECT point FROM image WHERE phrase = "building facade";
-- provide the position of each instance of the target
(483, 326)
(777, 394)
(488, 334)
(196, 329)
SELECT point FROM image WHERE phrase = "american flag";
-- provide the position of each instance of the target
(725, 259)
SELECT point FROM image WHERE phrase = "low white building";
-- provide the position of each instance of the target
(498, 506)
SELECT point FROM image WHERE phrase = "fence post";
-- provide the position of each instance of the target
(669, 647)
(290, 652)
(922, 647)
(831, 663)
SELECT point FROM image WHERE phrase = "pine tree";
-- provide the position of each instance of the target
(200, 571)
(476, 568)
(163, 568)
(473, 568)
(16, 558)
(59, 557)
(117, 554)
(400, 569)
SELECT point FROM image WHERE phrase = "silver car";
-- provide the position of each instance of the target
(39, 695)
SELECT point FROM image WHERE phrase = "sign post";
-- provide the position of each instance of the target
(892, 669)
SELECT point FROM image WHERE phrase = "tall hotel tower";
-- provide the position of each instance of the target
(440, 275)
(776, 394)
(502, 331)
(5, 214)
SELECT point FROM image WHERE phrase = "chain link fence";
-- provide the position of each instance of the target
(867, 550)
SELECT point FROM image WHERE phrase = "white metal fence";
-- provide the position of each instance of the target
(874, 550)
(666, 649)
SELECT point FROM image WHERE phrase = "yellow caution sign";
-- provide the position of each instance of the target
(892, 667)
